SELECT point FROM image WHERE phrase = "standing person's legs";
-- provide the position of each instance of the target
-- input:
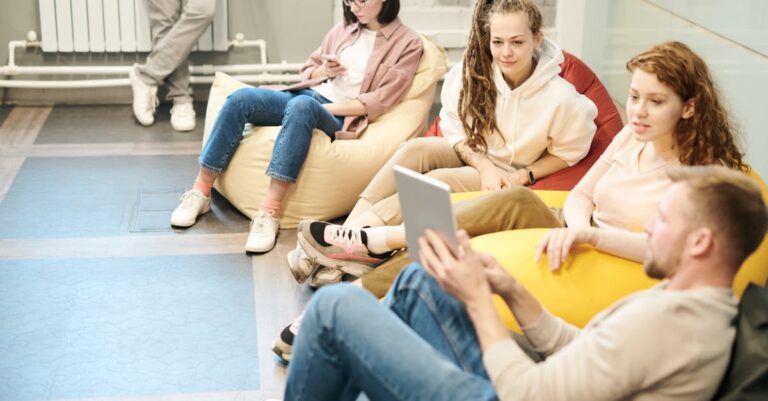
(174, 36)
(179, 87)
(172, 50)
(261, 107)
(163, 14)
(303, 113)
(349, 343)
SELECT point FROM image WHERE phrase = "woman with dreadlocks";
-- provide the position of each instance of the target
(507, 118)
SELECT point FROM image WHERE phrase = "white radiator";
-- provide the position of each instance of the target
(113, 26)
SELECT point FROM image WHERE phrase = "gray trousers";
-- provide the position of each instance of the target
(174, 34)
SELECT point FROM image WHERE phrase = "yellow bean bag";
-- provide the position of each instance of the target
(590, 280)
(335, 173)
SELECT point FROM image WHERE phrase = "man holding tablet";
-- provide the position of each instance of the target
(445, 339)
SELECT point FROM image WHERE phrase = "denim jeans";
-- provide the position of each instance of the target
(349, 343)
(299, 112)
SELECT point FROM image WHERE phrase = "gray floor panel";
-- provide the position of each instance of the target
(4, 111)
(113, 124)
(106, 196)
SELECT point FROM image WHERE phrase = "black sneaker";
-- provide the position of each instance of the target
(283, 344)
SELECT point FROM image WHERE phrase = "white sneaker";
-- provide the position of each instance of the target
(263, 232)
(183, 117)
(144, 98)
(193, 204)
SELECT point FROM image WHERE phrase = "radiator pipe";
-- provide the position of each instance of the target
(205, 69)
(267, 73)
(106, 83)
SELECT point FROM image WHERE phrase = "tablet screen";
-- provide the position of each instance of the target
(425, 203)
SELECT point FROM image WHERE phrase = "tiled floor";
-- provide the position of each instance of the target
(99, 298)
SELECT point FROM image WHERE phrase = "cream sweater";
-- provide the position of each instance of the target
(620, 195)
(653, 345)
(545, 113)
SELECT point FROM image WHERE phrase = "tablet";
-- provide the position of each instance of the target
(425, 203)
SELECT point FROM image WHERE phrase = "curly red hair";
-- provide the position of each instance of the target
(709, 137)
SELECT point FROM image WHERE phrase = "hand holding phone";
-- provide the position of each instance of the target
(330, 58)
(332, 66)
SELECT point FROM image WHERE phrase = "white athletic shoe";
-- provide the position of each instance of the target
(183, 117)
(193, 204)
(144, 98)
(263, 232)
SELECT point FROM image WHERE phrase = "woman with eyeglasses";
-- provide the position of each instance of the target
(363, 67)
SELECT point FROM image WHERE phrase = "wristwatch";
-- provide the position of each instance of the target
(531, 178)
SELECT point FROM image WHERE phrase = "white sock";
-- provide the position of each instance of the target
(376, 240)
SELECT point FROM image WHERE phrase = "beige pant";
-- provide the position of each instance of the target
(507, 209)
(431, 156)
(174, 33)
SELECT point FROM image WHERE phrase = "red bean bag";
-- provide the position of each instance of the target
(608, 122)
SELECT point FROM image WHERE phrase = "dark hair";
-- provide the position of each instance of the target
(389, 11)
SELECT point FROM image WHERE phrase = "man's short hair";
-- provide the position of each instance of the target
(730, 202)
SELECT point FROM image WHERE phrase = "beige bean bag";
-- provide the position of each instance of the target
(334, 174)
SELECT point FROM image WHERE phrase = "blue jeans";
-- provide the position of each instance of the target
(299, 112)
(349, 343)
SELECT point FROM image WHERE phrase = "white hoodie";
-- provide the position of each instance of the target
(544, 113)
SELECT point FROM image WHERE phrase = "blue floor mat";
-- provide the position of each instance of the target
(67, 197)
(126, 327)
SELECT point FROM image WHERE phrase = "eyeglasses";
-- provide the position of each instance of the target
(360, 3)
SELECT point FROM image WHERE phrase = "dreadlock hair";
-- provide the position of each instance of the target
(477, 99)
(708, 137)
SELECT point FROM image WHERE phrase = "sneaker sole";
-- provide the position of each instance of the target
(259, 250)
(280, 352)
(183, 129)
(184, 224)
(353, 268)
(254, 249)
(314, 282)
(296, 272)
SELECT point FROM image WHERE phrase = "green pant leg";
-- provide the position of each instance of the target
(379, 280)
(507, 209)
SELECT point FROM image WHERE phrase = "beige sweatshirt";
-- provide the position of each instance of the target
(620, 195)
(656, 344)
(544, 114)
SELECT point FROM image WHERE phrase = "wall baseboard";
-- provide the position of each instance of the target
(112, 96)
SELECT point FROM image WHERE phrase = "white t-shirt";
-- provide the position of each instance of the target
(355, 57)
